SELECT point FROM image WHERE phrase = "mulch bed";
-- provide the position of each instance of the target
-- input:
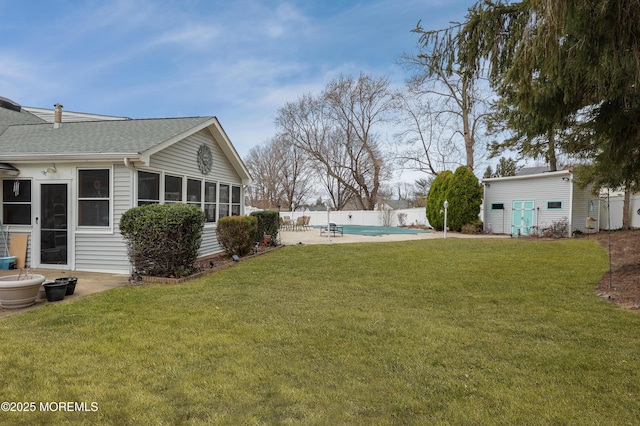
(204, 266)
(622, 287)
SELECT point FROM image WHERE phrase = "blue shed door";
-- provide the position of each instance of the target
(523, 217)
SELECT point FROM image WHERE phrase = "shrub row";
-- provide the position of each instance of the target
(238, 234)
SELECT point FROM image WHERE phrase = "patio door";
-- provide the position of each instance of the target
(52, 225)
(523, 217)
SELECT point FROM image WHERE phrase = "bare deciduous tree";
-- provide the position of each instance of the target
(337, 130)
(454, 103)
(421, 145)
(281, 175)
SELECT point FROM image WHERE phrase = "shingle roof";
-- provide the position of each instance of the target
(525, 171)
(96, 137)
(9, 118)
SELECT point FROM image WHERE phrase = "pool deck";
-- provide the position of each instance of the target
(312, 236)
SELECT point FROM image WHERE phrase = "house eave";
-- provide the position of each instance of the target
(34, 158)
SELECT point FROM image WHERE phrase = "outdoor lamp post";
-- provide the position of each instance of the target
(446, 206)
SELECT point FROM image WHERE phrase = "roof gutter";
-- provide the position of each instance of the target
(7, 169)
(129, 165)
(533, 176)
(85, 157)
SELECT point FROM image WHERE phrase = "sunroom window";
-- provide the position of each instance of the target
(148, 188)
(224, 200)
(210, 201)
(172, 189)
(194, 194)
(93, 197)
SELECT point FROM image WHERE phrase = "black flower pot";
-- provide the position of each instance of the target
(56, 290)
(71, 286)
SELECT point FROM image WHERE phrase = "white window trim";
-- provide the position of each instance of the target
(75, 193)
(21, 226)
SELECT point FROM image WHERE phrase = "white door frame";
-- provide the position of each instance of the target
(37, 220)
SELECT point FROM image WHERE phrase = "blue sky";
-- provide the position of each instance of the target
(239, 60)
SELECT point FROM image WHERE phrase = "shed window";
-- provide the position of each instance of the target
(94, 197)
(554, 205)
(16, 202)
(497, 206)
(148, 188)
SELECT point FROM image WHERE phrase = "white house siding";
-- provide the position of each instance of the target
(180, 158)
(539, 189)
(581, 210)
(106, 251)
(210, 242)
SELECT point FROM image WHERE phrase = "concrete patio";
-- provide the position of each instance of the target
(88, 283)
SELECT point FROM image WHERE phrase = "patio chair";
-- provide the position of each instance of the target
(307, 219)
(300, 223)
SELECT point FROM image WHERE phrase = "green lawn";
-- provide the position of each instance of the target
(453, 331)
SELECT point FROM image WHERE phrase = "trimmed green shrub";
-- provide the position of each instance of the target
(436, 197)
(163, 239)
(237, 234)
(268, 224)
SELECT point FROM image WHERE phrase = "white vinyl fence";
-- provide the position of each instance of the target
(417, 216)
(614, 213)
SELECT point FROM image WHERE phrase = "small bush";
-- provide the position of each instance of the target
(557, 229)
(268, 224)
(472, 228)
(402, 219)
(237, 234)
(163, 239)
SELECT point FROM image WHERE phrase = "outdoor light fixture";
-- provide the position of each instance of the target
(50, 170)
(566, 179)
(446, 206)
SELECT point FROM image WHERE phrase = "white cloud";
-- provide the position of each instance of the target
(189, 36)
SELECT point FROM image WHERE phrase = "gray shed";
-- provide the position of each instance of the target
(522, 205)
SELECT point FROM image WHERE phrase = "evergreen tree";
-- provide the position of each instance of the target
(506, 167)
(436, 197)
(465, 197)
(557, 61)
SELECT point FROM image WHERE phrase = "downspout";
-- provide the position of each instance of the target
(484, 207)
(128, 165)
(132, 186)
(570, 204)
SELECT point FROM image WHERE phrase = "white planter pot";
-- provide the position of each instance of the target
(19, 291)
